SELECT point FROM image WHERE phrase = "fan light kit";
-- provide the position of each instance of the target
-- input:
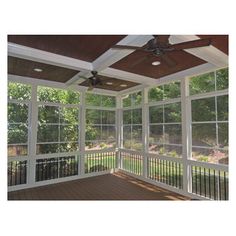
(156, 63)
(109, 83)
(38, 70)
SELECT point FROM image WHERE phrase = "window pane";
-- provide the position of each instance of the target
(156, 148)
(156, 134)
(202, 83)
(17, 150)
(93, 132)
(93, 116)
(172, 112)
(108, 133)
(127, 117)
(47, 148)
(48, 114)
(210, 155)
(137, 116)
(222, 108)
(69, 133)
(223, 138)
(156, 94)
(48, 133)
(204, 135)
(17, 113)
(93, 99)
(19, 91)
(172, 151)
(108, 117)
(203, 109)
(126, 101)
(17, 133)
(137, 132)
(47, 94)
(172, 90)
(173, 134)
(69, 115)
(69, 147)
(137, 98)
(222, 79)
(108, 101)
(127, 132)
(156, 114)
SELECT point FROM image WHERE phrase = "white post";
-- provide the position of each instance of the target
(82, 133)
(33, 124)
(118, 130)
(145, 122)
(186, 134)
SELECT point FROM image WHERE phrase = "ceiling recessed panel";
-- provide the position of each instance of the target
(146, 67)
(83, 47)
(27, 68)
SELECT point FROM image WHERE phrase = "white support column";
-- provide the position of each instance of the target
(33, 123)
(186, 134)
(119, 130)
(145, 122)
(82, 133)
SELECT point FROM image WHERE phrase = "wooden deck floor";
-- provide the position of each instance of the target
(117, 186)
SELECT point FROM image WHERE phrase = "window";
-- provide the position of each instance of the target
(58, 125)
(18, 109)
(210, 118)
(132, 121)
(165, 130)
(100, 123)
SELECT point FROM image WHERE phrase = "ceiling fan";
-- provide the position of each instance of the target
(94, 80)
(160, 47)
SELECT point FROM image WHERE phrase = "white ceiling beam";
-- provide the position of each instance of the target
(111, 56)
(209, 53)
(37, 55)
(124, 75)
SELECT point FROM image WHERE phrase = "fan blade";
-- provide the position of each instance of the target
(143, 59)
(126, 47)
(191, 44)
(169, 61)
(162, 38)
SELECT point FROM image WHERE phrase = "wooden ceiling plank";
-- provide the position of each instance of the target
(32, 54)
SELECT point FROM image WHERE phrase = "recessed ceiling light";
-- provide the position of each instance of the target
(123, 85)
(109, 83)
(38, 70)
(156, 63)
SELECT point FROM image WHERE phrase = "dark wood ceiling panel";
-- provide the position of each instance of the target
(219, 41)
(83, 47)
(115, 86)
(183, 61)
(22, 67)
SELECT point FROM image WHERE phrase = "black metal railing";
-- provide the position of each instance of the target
(17, 173)
(132, 162)
(53, 168)
(210, 183)
(96, 162)
(165, 171)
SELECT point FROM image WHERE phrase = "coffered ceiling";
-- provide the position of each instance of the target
(96, 50)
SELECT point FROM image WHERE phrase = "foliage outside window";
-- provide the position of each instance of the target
(165, 135)
(58, 125)
(100, 100)
(100, 123)
(18, 119)
(46, 94)
(133, 99)
(164, 92)
(210, 118)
